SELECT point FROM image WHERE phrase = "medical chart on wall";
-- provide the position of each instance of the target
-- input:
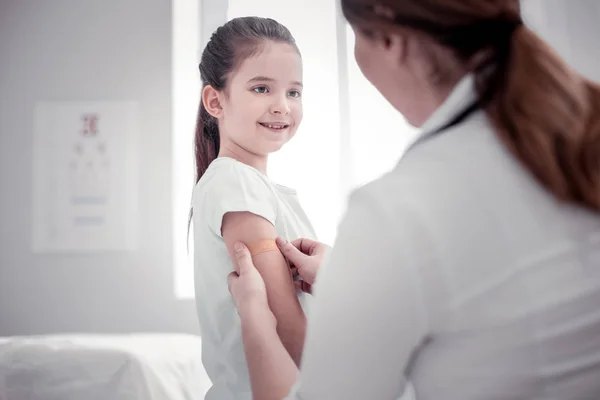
(85, 183)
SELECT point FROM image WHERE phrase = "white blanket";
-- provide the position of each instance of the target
(90, 367)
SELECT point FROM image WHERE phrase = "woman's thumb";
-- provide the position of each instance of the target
(243, 258)
(290, 251)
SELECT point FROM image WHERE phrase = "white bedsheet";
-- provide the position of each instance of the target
(99, 367)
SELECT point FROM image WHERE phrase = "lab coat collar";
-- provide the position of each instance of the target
(461, 97)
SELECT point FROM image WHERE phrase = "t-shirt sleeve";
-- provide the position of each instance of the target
(237, 188)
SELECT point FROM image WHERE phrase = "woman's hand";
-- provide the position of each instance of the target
(246, 286)
(305, 257)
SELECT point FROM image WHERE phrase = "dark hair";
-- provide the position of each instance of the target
(228, 47)
(544, 112)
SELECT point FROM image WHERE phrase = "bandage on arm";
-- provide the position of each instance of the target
(262, 246)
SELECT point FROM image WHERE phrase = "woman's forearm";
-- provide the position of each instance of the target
(272, 370)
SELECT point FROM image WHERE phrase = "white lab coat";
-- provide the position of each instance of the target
(458, 272)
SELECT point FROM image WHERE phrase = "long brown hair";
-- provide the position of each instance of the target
(545, 113)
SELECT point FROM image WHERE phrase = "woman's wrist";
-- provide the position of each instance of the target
(257, 313)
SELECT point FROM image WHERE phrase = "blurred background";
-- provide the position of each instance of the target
(124, 266)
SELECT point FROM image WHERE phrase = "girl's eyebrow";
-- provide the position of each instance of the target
(267, 79)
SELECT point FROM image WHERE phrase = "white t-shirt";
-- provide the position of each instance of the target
(460, 272)
(228, 186)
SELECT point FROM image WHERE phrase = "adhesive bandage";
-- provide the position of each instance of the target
(262, 246)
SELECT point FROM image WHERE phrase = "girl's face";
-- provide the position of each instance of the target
(262, 106)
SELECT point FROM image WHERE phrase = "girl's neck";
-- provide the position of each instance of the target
(244, 156)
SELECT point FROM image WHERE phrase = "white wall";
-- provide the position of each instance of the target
(56, 50)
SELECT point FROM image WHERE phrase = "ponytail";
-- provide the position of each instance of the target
(206, 147)
(549, 117)
(207, 141)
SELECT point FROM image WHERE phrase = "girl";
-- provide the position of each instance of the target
(251, 106)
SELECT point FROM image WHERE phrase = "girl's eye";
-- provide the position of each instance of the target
(261, 89)
(295, 93)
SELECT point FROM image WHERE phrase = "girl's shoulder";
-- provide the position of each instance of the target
(227, 175)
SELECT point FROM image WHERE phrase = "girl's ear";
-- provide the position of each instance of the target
(212, 101)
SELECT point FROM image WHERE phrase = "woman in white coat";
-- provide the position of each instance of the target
(472, 270)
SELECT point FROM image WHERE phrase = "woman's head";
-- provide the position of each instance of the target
(251, 74)
(406, 48)
(544, 112)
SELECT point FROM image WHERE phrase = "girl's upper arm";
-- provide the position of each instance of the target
(238, 205)
(367, 317)
(250, 228)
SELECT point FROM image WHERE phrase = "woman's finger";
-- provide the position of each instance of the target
(305, 245)
(230, 279)
(244, 259)
(298, 285)
(306, 287)
(294, 271)
(291, 253)
(302, 286)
